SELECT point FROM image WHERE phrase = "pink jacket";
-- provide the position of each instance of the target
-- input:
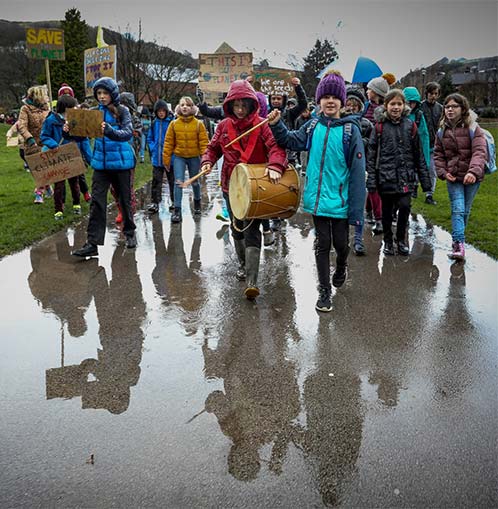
(457, 154)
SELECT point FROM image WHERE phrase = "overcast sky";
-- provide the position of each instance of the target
(399, 35)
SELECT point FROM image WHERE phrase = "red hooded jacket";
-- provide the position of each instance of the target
(259, 147)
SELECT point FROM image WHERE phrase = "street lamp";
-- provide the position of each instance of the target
(424, 72)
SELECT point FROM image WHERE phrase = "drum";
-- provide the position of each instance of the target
(253, 196)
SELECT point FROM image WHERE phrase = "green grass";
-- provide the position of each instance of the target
(21, 221)
(482, 230)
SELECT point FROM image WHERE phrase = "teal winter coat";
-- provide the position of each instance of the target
(335, 180)
(417, 115)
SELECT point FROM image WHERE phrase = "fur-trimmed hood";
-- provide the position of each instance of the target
(194, 111)
(380, 113)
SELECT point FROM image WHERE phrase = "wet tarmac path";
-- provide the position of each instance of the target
(145, 379)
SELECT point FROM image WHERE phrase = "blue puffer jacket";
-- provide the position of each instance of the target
(52, 134)
(335, 182)
(155, 138)
(112, 152)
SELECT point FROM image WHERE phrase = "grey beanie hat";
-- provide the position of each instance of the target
(379, 85)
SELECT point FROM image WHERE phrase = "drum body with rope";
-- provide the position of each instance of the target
(253, 196)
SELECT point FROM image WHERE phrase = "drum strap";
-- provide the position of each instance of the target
(245, 153)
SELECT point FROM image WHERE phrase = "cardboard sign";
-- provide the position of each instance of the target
(99, 63)
(55, 165)
(86, 123)
(274, 82)
(13, 141)
(45, 43)
(218, 70)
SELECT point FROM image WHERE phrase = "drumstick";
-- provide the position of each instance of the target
(247, 132)
(193, 179)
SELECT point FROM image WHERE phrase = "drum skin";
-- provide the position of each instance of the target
(253, 196)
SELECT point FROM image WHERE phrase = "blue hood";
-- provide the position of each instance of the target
(412, 94)
(110, 85)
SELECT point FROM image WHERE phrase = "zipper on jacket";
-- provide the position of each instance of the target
(320, 178)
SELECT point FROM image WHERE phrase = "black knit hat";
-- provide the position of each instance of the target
(356, 94)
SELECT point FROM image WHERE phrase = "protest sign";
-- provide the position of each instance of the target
(86, 123)
(45, 43)
(274, 82)
(99, 63)
(55, 165)
(218, 70)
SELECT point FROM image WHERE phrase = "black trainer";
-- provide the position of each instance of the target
(323, 303)
(430, 200)
(197, 207)
(176, 217)
(388, 248)
(131, 241)
(87, 250)
(339, 276)
(153, 208)
(403, 249)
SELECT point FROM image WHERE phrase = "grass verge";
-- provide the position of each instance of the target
(21, 221)
(482, 230)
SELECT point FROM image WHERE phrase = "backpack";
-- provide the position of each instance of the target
(346, 138)
(490, 165)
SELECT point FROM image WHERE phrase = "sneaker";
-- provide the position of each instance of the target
(58, 216)
(77, 210)
(86, 251)
(223, 215)
(241, 274)
(388, 248)
(268, 238)
(171, 208)
(119, 218)
(276, 225)
(403, 249)
(153, 208)
(87, 196)
(176, 217)
(323, 303)
(458, 251)
(49, 192)
(142, 160)
(378, 229)
(38, 198)
(340, 275)
(131, 241)
(359, 248)
(369, 218)
(197, 207)
(430, 200)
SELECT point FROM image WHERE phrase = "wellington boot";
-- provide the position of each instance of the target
(252, 270)
(240, 249)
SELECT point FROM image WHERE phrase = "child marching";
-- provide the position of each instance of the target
(334, 191)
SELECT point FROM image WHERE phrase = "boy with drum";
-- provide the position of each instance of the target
(334, 192)
(258, 147)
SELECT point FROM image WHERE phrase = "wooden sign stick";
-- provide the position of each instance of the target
(247, 132)
(190, 180)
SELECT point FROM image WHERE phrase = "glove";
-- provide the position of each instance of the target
(31, 141)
